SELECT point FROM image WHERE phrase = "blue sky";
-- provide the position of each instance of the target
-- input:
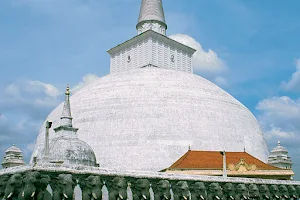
(249, 48)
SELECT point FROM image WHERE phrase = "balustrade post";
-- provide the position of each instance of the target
(63, 187)
(14, 187)
(91, 187)
(214, 192)
(292, 192)
(253, 191)
(141, 189)
(198, 191)
(298, 190)
(242, 192)
(228, 191)
(181, 191)
(162, 190)
(30, 185)
(117, 188)
(284, 193)
(274, 192)
(264, 192)
(43, 193)
(3, 182)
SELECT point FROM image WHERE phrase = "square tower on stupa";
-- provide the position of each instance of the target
(151, 47)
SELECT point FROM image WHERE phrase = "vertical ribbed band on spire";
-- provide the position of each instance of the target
(152, 12)
(66, 118)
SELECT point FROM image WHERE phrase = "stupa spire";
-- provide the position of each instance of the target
(66, 118)
(152, 17)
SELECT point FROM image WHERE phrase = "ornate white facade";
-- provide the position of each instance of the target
(151, 48)
(279, 157)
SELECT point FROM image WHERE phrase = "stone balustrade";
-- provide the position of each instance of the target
(49, 182)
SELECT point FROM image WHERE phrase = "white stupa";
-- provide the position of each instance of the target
(146, 113)
(13, 157)
(65, 146)
(279, 157)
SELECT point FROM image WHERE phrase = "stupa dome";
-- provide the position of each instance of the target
(72, 151)
(65, 147)
(146, 118)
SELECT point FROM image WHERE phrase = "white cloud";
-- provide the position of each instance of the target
(20, 131)
(86, 80)
(294, 83)
(221, 81)
(202, 61)
(280, 106)
(280, 117)
(29, 98)
(12, 90)
(48, 89)
(37, 92)
(3, 119)
(277, 133)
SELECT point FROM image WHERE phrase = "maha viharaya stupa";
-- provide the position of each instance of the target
(146, 113)
(150, 130)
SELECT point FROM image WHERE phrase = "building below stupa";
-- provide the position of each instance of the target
(238, 164)
(13, 157)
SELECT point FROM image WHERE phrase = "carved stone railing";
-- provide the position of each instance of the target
(54, 182)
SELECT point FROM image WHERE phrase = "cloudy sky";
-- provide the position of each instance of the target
(249, 48)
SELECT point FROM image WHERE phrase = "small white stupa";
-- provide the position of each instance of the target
(13, 157)
(279, 157)
(66, 148)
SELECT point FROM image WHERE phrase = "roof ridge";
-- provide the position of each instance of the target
(180, 160)
(218, 151)
(262, 161)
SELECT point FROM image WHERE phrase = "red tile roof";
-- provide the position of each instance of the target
(214, 160)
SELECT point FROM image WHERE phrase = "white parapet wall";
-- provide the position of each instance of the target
(83, 170)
